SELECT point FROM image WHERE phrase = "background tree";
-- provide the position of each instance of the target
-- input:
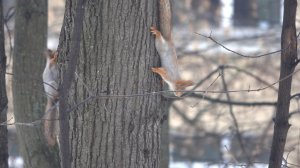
(117, 53)
(288, 62)
(30, 44)
(3, 97)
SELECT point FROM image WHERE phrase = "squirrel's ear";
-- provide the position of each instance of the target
(47, 53)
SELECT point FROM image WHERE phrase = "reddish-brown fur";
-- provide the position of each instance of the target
(169, 70)
(50, 79)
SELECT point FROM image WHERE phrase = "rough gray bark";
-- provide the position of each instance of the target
(288, 58)
(165, 138)
(29, 98)
(3, 97)
(68, 75)
(117, 53)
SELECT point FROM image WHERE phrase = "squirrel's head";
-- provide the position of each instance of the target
(51, 56)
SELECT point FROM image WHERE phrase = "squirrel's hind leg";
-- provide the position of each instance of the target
(161, 72)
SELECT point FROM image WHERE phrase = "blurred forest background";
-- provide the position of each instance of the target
(208, 129)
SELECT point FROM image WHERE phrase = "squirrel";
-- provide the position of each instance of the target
(50, 81)
(164, 45)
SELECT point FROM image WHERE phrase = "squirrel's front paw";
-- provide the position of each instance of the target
(154, 31)
(161, 71)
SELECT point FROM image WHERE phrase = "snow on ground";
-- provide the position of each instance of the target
(208, 165)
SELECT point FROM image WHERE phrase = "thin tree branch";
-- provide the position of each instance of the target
(238, 134)
(268, 85)
(229, 40)
(239, 54)
(206, 78)
(235, 103)
(250, 74)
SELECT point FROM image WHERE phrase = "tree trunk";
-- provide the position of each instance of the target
(117, 53)
(288, 58)
(3, 97)
(29, 97)
(245, 12)
(165, 139)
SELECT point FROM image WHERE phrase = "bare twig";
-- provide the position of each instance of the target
(206, 78)
(238, 134)
(235, 103)
(239, 54)
(297, 95)
(192, 94)
(268, 85)
(250, 74)
(39, 80)
(207, 89)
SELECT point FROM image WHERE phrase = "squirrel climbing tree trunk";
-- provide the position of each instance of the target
(29, 101)
(116, 56)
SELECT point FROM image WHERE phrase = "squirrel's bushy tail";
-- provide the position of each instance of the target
(165, 19)
(50, 122)
(181, 85)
